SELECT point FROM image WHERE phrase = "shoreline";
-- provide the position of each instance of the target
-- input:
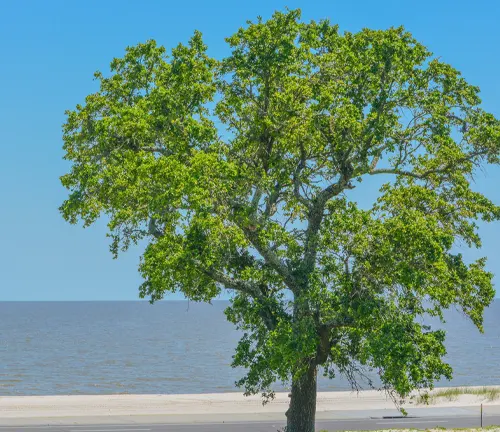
(214, 404)
(340, 391)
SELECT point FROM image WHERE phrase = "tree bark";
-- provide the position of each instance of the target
(301, 414)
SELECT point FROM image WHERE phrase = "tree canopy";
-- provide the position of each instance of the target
(238, 173)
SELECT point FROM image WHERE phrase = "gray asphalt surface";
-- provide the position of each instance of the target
(330, 425)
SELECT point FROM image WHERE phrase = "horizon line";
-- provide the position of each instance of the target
(104, 301)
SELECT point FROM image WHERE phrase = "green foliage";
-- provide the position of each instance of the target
(238, 175)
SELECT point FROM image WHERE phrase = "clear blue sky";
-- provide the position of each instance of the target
(50, 50)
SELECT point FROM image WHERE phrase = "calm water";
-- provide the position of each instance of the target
(169, 347)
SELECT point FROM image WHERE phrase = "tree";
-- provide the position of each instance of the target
(239, 174)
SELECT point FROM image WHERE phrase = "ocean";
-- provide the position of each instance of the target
(175, 347)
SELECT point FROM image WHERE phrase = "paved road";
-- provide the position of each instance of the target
(330, 425)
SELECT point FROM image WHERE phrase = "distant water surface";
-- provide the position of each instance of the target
(49, 348)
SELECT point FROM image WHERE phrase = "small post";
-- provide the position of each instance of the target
(481, 416)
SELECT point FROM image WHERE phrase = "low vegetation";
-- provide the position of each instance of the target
(437, 429)
(451, 394)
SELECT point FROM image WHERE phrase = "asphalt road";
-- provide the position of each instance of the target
(330, 425)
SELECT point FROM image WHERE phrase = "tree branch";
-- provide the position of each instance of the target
(232, 283)
(153, 229)
(427, 173)
(160, 150)
(296, 181)
(272, 200)
(335, 324)
(315, 217)
(249, 225)
(326, 342)
(245, 287)
(256, 199)
(270, 257)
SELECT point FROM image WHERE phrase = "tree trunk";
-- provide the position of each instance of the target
(302, 411)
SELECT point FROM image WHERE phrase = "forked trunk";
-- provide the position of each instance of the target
(302, 411)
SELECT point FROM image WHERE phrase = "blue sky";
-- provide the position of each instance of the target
(49, 52)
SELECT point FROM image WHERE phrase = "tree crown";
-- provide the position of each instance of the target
(238, 173)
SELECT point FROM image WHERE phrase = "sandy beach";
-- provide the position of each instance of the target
(205, 404)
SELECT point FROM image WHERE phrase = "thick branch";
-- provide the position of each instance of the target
(270, 257)
(272, 201)
(315, 217)
(153, 229)
(245, 287)
(400, 172)
(256, 199)
(242, 286)
(326, 341)
(296, 180)
(337, 324)
(427, 173)
(249, 225)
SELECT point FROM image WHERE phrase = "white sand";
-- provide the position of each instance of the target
(199, 404)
